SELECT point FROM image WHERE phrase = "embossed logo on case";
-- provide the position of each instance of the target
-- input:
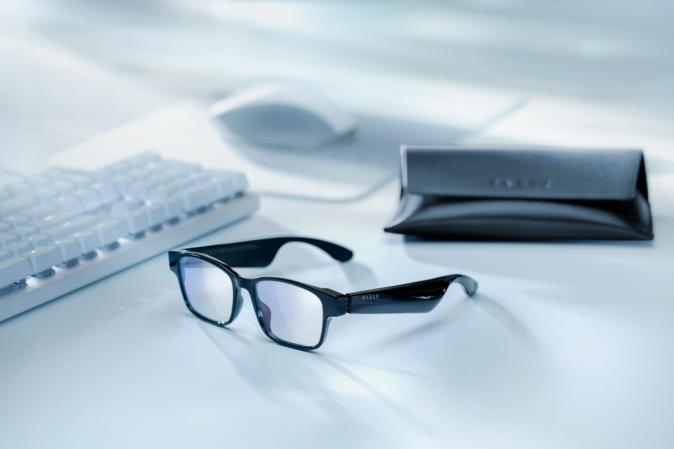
(521, 183)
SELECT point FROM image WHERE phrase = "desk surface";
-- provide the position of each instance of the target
(566, 345)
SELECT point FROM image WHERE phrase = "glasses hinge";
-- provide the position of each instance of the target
(348, 304)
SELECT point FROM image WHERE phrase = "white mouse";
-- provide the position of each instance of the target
(283, 115)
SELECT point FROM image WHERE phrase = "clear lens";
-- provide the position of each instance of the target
(209, 290)
(293, 314)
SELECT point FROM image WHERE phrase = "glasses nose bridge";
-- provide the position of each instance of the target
(245, 284)
(246, 290)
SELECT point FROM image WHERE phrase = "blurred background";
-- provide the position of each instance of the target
(70, 69)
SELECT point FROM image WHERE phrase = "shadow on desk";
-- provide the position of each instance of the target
(574, 272)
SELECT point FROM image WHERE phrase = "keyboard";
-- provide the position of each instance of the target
(63, 229)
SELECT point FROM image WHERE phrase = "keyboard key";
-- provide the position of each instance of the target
(4, 255)
(155, 216)
(199, 177)
(183, 183)
(45, 195)
(155, 168)
(219, 173)
(16, 204)
(18, 248)
(137, 174)
(54, 219)
(120, 167)
(140, 190)
(69, 227)
(173, 209)
(109, 231)
(106, 192)
(43, 258)
(176, 174)
(55, 174)
(161, 178)
(38, 240)
(122, 183)
(23, 231)
(4, 195)
(16, 220)
(81, 181)
(225, 185)
(8, 239)
(14, 270)
(198, 197)
(39, 180)
(39, 211)
(88, 241)
(69, 202)
(20, 188)
(120, 208)
(240, 180)
(103, 175)
(163, 192)
(64, 187)
(89, 198)
(69, 249)
(179, 167)
(136, 223)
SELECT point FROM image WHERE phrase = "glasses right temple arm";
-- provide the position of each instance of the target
(418, 297)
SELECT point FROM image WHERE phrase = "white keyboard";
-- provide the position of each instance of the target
(61, 230)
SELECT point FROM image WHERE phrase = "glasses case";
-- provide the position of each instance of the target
(522, 193)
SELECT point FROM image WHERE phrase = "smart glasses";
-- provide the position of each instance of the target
(291, 313)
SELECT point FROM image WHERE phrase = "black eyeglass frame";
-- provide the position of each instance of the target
(416, 297)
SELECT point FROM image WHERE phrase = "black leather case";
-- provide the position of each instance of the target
(534, 193)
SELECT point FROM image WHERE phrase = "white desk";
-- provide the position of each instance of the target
(567, 345)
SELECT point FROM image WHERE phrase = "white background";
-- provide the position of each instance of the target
(567, 345)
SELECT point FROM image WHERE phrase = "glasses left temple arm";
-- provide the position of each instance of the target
(418, 297)
(261, 252)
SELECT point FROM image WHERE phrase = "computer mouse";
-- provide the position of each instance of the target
(283, 115)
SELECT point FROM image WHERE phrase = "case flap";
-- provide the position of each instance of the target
(523, 172)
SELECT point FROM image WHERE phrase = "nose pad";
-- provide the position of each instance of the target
(265, 313)
(238, 305)
(263, 310)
